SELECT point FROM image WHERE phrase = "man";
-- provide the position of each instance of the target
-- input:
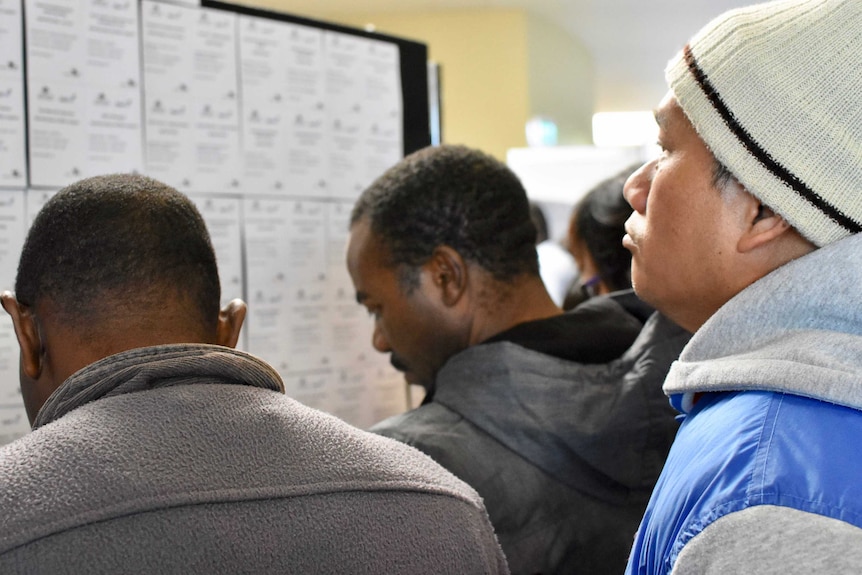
(564, 454)
(159, 449)
(745, 229)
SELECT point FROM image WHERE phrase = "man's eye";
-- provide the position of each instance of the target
(663, 154)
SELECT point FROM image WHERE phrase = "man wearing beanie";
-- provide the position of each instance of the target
(745, 230)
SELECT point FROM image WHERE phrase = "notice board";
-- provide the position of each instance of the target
(272, 123)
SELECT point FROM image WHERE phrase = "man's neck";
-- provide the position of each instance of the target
(505, 305)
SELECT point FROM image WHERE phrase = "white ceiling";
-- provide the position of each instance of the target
(630, 40)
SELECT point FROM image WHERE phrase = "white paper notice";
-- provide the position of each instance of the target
(13, 154)
(348, 321)
(265, 225)
(363, 94)
(13, 225)
(306, 113)
(35, 200)
(191, 100)
(13, 418)
(344, 96)
(383, 109)
(83, 81)
(306, 329)
(284, 111)
(354, 358)
(222, 217)
(286, 269)
(167, 106)
(262, 46)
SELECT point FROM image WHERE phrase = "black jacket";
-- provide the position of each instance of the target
(564, 453)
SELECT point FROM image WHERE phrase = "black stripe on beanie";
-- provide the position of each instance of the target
(762, 155)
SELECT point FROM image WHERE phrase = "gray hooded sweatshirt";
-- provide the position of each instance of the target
(564, 453)
(765, 475)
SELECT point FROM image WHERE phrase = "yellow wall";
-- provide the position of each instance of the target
(561, 81)
(483, 60)
(498, 68)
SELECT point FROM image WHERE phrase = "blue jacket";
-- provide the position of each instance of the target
(765, 475)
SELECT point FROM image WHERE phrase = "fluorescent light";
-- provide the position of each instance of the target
(541, 131)
(624, 129)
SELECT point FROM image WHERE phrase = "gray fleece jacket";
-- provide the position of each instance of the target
(189, 459)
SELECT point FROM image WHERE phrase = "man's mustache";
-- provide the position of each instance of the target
(398, 363)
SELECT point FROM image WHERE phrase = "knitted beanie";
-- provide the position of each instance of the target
(775, 92)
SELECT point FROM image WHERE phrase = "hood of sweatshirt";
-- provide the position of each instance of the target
(601, 428)
(797, 330)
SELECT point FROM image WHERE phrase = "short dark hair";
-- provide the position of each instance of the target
(454, 196)
(124, 238)
(721, 176)
(538, 216)
(599, 219)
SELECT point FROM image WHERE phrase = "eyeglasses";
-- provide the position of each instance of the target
(590, 287)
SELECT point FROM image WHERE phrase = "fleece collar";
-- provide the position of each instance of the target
(154, 367)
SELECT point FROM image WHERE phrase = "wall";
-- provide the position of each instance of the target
(483, 60)
(499, 68)
(561, 80)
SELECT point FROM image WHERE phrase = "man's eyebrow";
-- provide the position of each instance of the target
(361, 296)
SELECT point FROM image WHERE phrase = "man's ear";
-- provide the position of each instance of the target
(230, 320)
(448, 272)
(27, 332)
(762, 226)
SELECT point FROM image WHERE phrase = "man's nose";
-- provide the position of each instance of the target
(379, 341)
(637, 187)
